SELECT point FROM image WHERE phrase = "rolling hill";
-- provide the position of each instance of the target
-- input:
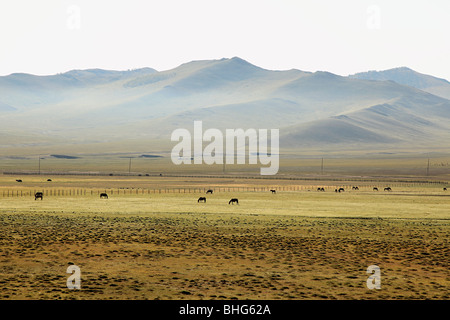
(134, 108)
(406, 76)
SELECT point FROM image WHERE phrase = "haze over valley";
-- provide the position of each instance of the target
(98, 110)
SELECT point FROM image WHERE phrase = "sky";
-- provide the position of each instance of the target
(343, 37)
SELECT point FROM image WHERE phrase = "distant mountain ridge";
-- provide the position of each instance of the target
(406, 76)
(389, 109)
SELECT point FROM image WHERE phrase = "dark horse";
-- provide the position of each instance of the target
(273, 191)
(375, 189)
(201, 199)
(103, 195)
(232, 201)
(355, 188)
(388, 189)
(320, 189)
(209, 191)
(341, 190)
(445, 189)
(38, 195)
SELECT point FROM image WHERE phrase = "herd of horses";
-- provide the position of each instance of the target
(210, 191)
(357, 188)
(40, 195)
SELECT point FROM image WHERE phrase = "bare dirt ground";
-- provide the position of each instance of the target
(292, 245)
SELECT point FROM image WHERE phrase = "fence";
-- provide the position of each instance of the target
(71, 192)
(137, 191)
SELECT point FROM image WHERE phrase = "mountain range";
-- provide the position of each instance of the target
(384, 110)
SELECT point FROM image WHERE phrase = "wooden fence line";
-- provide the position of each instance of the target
(248, 177)
(27, 192)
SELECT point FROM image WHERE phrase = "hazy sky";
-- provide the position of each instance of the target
(343, 37)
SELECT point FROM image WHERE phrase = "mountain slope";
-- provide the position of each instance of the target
(317, 110)
(399, 123)
(406, 76)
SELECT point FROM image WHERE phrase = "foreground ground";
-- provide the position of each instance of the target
(290, 245)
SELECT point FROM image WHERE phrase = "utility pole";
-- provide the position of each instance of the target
(39, 165)
(428, 167)
(223, 157)
(321, 167)
(129, 167)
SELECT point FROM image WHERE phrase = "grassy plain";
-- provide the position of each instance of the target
(301, 244)
(407, 164)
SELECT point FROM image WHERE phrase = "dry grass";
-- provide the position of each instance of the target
(409, 163)
(292, 245)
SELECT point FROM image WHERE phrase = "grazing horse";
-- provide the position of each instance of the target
(445, 189)
(49, 180)
(341, 190)
(232, 201)
(103, 195)
(388, 189)
(355, 188)
(39, 195)
(320, 189)
(209, 191)
(273, 191)
(201, 199)
(19, 180)
(375, 189)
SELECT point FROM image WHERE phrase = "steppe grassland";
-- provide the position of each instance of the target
(306, 164)
(289, 245)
